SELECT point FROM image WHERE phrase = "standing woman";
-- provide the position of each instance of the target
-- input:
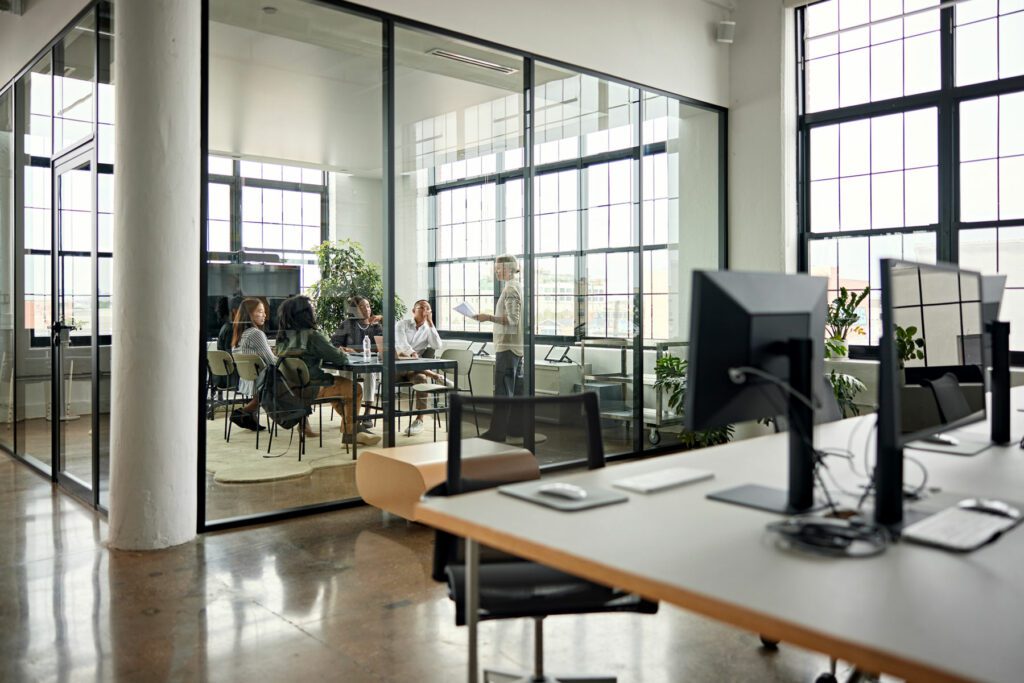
(297, 336)
(508, 347)
(248, 338)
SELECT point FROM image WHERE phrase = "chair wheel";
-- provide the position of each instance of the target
(654, 437)
(826, 678)
(769, 644)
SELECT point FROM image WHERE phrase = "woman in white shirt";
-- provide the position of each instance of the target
(248, 338)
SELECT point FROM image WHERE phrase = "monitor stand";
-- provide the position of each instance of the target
(1000, 333)
(799, 498)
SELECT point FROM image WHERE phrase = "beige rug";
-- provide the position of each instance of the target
(239, 462)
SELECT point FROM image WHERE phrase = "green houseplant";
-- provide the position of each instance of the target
(846, 387)
(842, 318)
(345, 272)
(907, 346)
(670, 373)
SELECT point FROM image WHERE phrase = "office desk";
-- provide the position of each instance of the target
(915, 612)
(403, 365)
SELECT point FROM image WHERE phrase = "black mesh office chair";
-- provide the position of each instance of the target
(511, 587)
(949, 398)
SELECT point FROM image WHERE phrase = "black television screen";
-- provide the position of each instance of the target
(271, 283)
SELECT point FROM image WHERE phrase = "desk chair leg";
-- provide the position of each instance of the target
(258, 411)
(476, 415)
(472, 604)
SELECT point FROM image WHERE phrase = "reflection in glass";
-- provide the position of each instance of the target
(8, 298)
(75, 69)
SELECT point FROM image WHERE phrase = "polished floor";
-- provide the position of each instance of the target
(344, 596)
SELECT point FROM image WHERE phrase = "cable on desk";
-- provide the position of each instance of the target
(831, 537)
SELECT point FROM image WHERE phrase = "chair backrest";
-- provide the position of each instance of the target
(949, 398)
(249, 366)
(220, 363)
(579, 412)
(295, 372)
(569, 409)
(463, 357)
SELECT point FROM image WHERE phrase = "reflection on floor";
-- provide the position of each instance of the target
(241, 481)
(341, 596)
(35, 438)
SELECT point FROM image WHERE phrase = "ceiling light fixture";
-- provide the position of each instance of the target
(270, 9)
(455, 56)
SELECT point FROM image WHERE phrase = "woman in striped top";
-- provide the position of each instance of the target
(248, 338)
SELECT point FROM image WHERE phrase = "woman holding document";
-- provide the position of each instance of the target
(508, 347)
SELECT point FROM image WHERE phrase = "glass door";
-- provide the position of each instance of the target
(73, 342)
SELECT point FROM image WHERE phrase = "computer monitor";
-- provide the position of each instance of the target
(558, 354)
(944, 305)
(756, 347)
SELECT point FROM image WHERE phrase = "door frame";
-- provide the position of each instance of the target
(87, 492)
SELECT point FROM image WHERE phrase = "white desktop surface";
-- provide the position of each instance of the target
(913, 611)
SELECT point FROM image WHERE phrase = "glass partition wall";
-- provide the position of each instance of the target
(532, 228)
(55, 261)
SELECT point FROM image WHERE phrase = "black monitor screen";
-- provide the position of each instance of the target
(745, 320)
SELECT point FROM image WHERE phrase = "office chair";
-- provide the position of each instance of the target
(296, 374)
(222, 379)
(949, 398)
(249, 367)
(511, 587)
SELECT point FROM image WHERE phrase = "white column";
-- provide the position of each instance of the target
(156, 274)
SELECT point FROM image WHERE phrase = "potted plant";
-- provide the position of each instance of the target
(907, 346)
(845, 388)
(345, 272)
(843, 317)
(670, 372)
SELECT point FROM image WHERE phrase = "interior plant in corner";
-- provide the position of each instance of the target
(670, 372)
(345, 272)
(907, 347)
(842, 318)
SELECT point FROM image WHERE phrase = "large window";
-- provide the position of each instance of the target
(912, 142)
(281, 211)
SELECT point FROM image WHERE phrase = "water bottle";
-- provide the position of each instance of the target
(366, 348)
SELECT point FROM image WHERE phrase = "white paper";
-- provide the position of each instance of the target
(465, 309)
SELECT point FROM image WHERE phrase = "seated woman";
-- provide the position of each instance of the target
(362, 323)
(247, 337)
(297, 336)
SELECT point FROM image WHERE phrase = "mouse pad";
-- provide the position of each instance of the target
(596, 497)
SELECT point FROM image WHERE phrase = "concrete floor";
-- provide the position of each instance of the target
(343, 596)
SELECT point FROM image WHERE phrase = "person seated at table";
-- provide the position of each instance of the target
(361, 323)
(248, 338)
(418, 338)
(298, 336)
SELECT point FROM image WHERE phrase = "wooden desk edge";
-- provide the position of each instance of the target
(876, 661)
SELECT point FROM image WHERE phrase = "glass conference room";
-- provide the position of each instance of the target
(608, 195)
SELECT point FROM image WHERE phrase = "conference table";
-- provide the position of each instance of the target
(358, 366)
(915, 612)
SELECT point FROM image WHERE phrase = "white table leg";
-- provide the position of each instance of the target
(472, 603)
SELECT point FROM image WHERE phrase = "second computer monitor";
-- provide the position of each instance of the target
(756, 350)
(745, 320)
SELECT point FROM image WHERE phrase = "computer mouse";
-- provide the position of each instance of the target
(560, 489)
(990, 506)
(941, 439)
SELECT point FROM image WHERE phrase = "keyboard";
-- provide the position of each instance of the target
(662, 479)
(958, 529)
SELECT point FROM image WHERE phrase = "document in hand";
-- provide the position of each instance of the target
(465, 309)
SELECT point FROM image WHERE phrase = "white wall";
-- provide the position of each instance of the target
(762, 125)
(21, 37)
(667, 44)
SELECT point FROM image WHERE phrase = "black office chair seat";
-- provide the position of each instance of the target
(510, 590)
